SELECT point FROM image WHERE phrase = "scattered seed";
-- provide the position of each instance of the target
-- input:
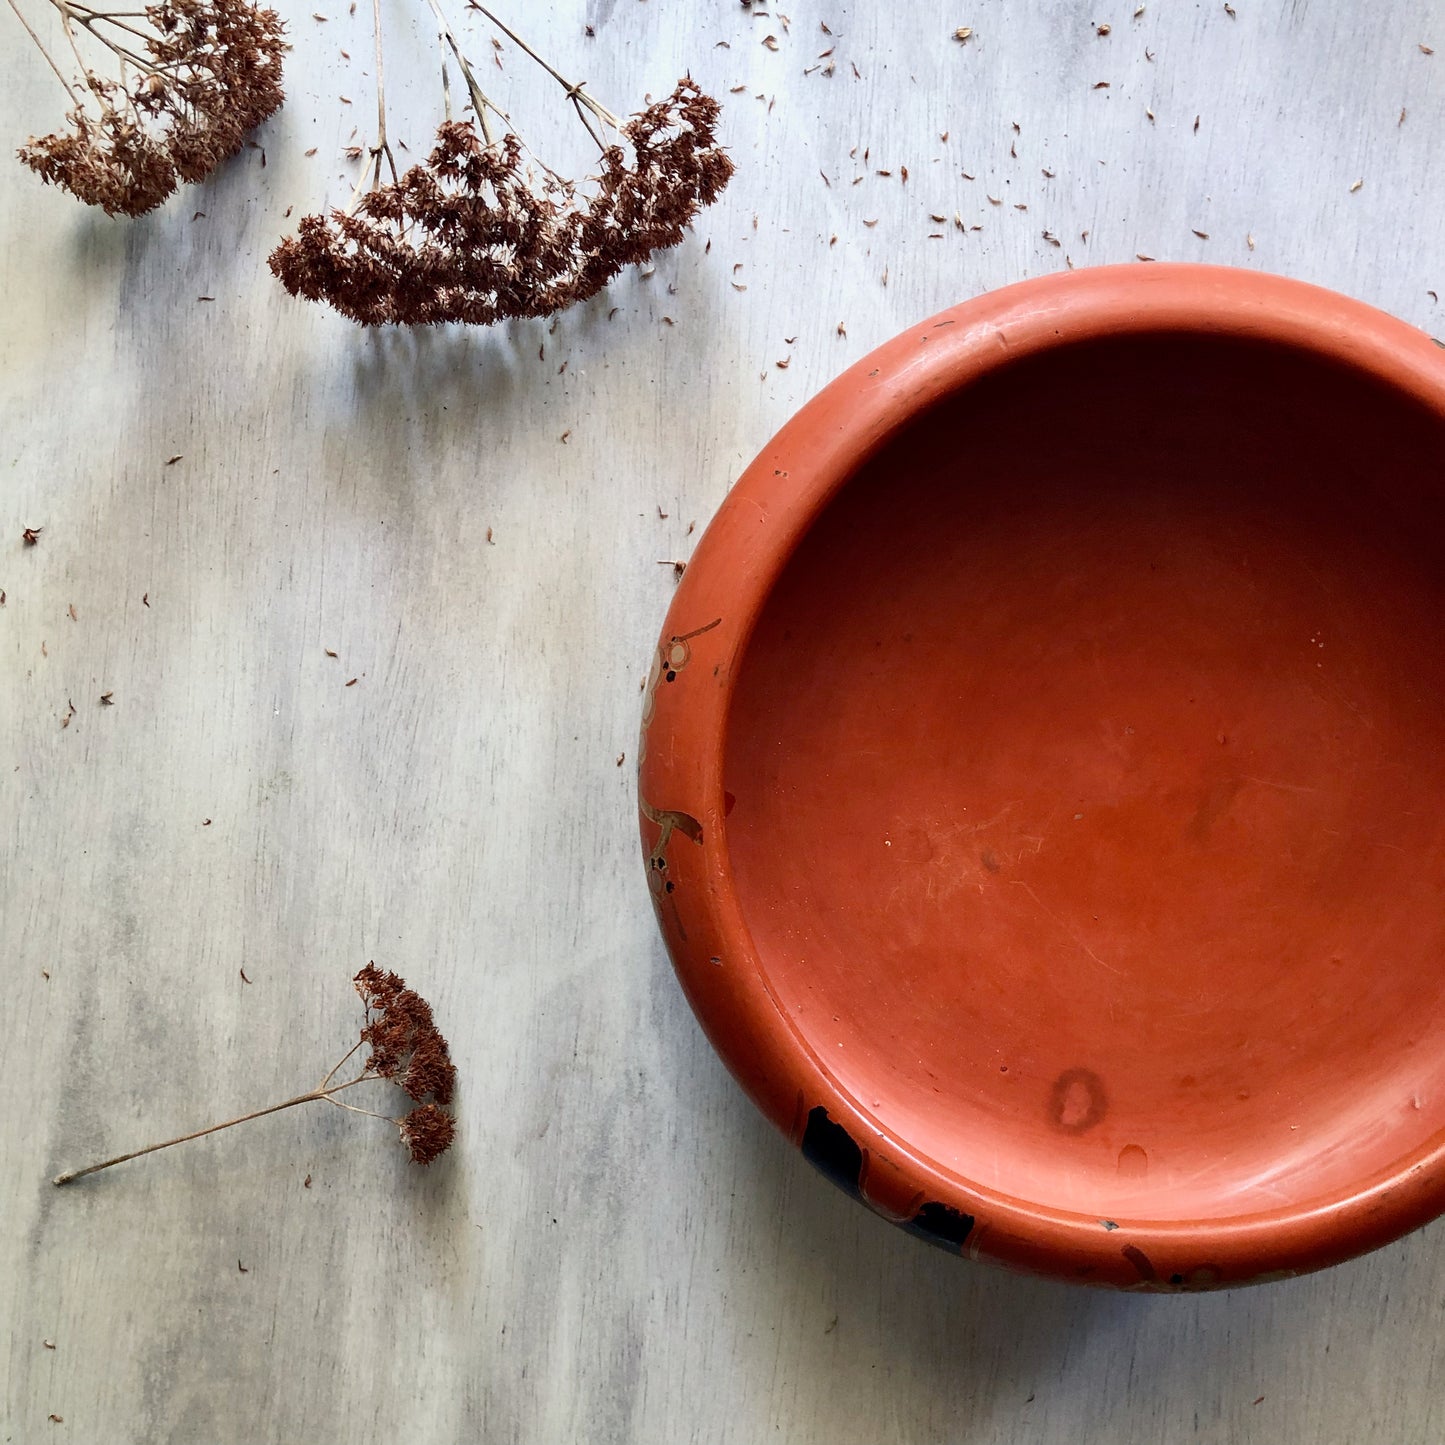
(489, 537)
(784, 363)
(1101, 85)
(770, 41)
(242, 1267)
(993, 200)
(1020, 206)
(312, 151)
(353, 682)
(205, 822)
(885, 275)
(244, 979)
(74, 615)
(1149, 113)
(1103, 29)
(964, 34)
(1426, 49)
(621, 758)
(842, 330)
(1048, 174)
(145, 599)
(1401, 121)
(1229, 10)
(205, 298)
(107, 699)
(943, 136)
(1148, 54)
(57, 1419)
(171, 461)
(1196, 125)
(872, 223)
(1052, 239)
(1203, 235)
(1138, 12)
(49, 1344)
(1140, 256)
(31, 535)
(1249, 241)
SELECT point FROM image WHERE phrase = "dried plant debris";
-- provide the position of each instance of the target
(403, 1047)
(192, 78)
(478, 233)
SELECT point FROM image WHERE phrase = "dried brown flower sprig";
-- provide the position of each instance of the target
(194, 77)
(477, 234)
(405, 1048)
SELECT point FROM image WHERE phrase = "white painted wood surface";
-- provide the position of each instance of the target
(618, 1249)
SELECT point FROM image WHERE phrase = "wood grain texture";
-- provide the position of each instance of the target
(619, 1249)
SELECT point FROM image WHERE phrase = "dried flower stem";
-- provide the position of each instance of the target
(381, 146)
(480, 101)
(406, 1049)
(576, 92)
(73, 1174)
(49, 59)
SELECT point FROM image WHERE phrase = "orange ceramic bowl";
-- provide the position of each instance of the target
(1043, 778)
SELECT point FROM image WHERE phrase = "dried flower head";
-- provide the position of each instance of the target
(427, 1132)
(475, 235)
(404, 1041)
(190, 87)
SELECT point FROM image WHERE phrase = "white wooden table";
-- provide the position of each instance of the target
(618, 1249)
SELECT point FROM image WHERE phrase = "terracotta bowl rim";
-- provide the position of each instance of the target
(734, 569)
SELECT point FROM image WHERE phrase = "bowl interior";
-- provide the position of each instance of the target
(1086, 777)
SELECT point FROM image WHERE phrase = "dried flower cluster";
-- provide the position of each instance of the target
(406, 1049)
(471, 236)
(190, 87)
